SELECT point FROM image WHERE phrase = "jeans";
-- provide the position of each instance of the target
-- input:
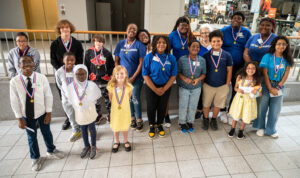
(32, 136)
(265, 104)
(85, 136)
(135, 102)
(188, 100)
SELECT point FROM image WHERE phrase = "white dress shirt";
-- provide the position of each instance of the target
(43, 99)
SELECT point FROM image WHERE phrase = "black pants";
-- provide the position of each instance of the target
(156, 105)
(85, 136)
(104, 94)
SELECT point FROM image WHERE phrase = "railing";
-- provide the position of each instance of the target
(42, 39)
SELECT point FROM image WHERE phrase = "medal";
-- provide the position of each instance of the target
(192, 77)
(163, 65)
(216, 65)
(264, 42)
(24, 86)
(119, 101)
(234, 42)
(259, 47)
(241, 96)
(191, 68)
(237, 36)
(275, 70)
(126, 52)
(80, 98)
(68, 79)
(66, 47)
(80, 103)
(182, 43)
(127, 49)
(98, 67)
(163, 69)
(275, 75)
(98, 58)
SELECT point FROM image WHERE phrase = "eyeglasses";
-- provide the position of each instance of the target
(282, 44)
(204, 33)
(22, 41)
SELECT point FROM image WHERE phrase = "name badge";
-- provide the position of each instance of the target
(103, 58)
(260, 41)
(279, 94)
(155, 59)
(69, 75)
(118, 89)
(216, 53)
(247, 90)
(194, 63)
(35, 85)
(241, 34)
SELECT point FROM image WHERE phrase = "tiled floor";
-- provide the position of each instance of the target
(199, 154)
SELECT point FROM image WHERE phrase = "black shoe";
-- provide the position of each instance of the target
(93, 152)
(184, 128)
(232, 132)
(152, 131)
(133, 124)
(114, 150)
(167, 119)
(139, 126)
(214, 124)
(161, 131)
(198, 115)
(85, 151)
(205, 123)
(66, 125)
(127, 148)
(190, 126)
(241, 134)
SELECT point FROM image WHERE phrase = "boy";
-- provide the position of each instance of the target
(217, 81)
(31, 100)
(63, 77)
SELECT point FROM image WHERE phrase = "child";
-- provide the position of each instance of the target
(83, 95)
(31, 100)
(120, 91)
(63, 77)
(244, 103)
(217, 80)
(100, 64)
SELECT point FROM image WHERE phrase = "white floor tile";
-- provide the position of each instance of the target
(191, 168)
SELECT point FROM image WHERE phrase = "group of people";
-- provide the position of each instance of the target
(203, 69)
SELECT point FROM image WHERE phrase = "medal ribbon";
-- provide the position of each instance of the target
(80, 98)
(123, 92)
(25, 51)
(24, 85)
(248, 84)
(99, 55)
(191, 68)
(126, 49)
(235, 38)
(217, 66)
(182, 43)
(65, 72)
(66, 47)
(276, 71)
(161, 62)
(264, 42)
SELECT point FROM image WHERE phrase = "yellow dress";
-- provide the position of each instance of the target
(243, 106)
(120, 119)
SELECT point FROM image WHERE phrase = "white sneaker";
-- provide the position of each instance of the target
(36, 164)
(223, 117)
(168, 125)
(260, 132)
(230, 119)
(275, 135)
(56, 154)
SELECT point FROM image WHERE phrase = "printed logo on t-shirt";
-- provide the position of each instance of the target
(129, 50)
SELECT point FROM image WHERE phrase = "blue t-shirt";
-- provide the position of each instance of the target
(184, 68)
(202, 51)
(131, 60)
(268, 63)
(216, 79)
(154, 69)
(236, 50)
(176, 45)
(255, 52)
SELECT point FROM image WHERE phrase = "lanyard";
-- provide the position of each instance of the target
(235, 38)
(119, 100)
(276, 71)
(68, 80)
(80, 98)
(126, 44)
(193, 71)
(163, 65)
(96, 57)
(182, 43)
(24, 86)
(25, 51)
(248, 84)
(66, 47)
(216, 65)
(264, 42)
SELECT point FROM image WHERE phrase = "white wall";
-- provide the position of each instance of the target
(161, 15)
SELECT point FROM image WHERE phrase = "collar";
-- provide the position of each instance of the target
(25, 77)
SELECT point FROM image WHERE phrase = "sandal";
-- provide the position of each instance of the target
(114, 150)
(127, 148)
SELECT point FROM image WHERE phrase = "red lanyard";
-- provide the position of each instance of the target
(235, 38)
(193, 72)
(265, 40)
(276, 71)
(216, 65)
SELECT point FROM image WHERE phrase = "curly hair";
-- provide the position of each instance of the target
(286, 53)
(268, 19)
(216, 33)
(155, 40)
(239, 13)
(62, 23)
(184, 19)
(256, 77)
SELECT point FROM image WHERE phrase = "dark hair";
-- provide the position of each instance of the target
(22, 34)
(256, 77)
(268, 19)
(216, 33)
(69, 54)
(146, 31)
(63, 23)
(155, 40)
(194, 41)
(132, 24)
(239, 13)
(286, 53)
(98, 37)
(25, 56)
(184, 19)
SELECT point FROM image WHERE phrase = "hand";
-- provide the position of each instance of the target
(22, 124)
(131, 80)
(47, 118)
(274, 91)
(188, 81)
(240, 91)
(195, 82)
(254, 92)
(160, 91)
(280, 84)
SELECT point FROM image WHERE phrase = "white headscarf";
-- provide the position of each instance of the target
(92, 92)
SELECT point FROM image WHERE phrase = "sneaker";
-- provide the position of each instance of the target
(214, 124)
(205, 123)
(93, 152)
(66, 125)
(231, 132)
(167, 121)
(161, 131)
(133, 124)
(152, 131)
(183, 128)
(230, 119)
(85, 151)
(223, 117)
(56, 154)
(36, 164)
(198, 115)
(76, 134)
(190, 126)
(168, 125)
(139, 126)
(241, 135)
(260, 132)
(275, 135)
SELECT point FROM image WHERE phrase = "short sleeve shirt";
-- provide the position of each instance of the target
(176, 44)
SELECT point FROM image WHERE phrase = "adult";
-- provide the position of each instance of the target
(144, 36)
(159, 72)
(258, 45)
(65, 43)
(130, 54)
(276, 66)
(22, 49)
(235, 39)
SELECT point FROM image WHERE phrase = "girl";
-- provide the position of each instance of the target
(276, 66)
(191, 70)
(144, 36)
(244, 103)
(120, 91)
(83, 95)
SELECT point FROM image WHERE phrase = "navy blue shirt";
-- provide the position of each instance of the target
(176, 45)
(256, 53)
(202, 51)
(130, 60)
(154, 69)
(236, 50)
(216, 79)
